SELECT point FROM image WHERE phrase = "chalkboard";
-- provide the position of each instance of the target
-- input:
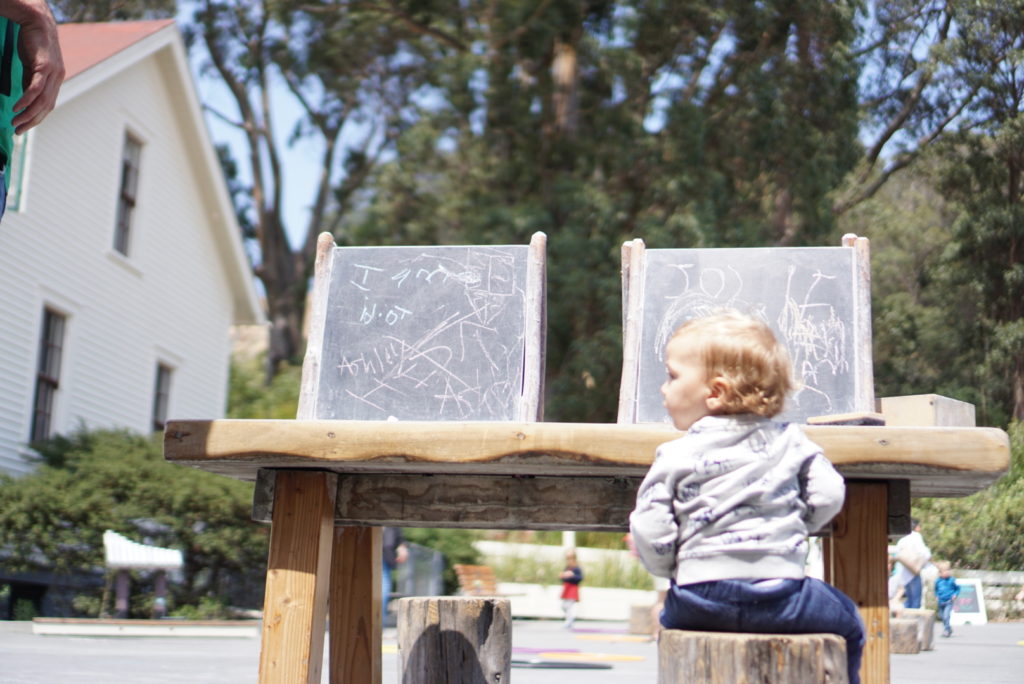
(427, 333)
(811, 297)
(969, 606)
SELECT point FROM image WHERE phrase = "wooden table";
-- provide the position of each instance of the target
(325, 485)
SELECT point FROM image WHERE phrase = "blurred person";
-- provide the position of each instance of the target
(571, 577)
(31, 73)
(946, 591)
(912, 555)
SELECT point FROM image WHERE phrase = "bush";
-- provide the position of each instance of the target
(981, 531)
(53, 520)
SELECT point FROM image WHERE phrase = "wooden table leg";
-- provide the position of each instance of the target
(355, 635)
(855, 563)
(295, 605)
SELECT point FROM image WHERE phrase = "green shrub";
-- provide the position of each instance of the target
(53, 519)
(610, 572)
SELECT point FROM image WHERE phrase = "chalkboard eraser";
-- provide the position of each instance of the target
(856, 418)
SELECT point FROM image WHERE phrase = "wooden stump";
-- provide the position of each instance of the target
(729, 658)
(925, 626)
(903, 636)
(454, 640)
(641, 619)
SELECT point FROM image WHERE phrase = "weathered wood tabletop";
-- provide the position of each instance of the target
(938, 461)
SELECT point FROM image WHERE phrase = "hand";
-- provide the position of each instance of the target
(43, 63)
(401, 553)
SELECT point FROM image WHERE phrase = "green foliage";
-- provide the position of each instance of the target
(983, 530)
(250, 396)
(54, 519)
(590, 540)
(208, 608)
(683, 123)
(111, 10)
(922, 318)
(605, 573)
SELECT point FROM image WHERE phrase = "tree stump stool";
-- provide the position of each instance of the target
(903, 637)
(733, 658)
(925, 626)
(641, 619)
(454, 640)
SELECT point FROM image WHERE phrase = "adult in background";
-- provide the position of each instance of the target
(912, 555)
(395, 552)
(31, 72)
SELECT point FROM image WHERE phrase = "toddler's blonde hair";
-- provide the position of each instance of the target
(742, 351)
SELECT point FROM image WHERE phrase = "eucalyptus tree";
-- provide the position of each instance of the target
(985, 179)
(352, 78)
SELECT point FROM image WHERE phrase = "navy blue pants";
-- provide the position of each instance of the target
(779, 607)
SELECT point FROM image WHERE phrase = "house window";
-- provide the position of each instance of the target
(127, 194)
(51, 347)
(161, 396)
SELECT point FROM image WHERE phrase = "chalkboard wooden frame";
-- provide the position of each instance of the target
(635, 260)
(528, 404)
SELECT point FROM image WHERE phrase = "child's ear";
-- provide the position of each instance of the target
(718, 390)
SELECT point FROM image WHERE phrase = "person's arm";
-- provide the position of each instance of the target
(653, 522)
(823, 491)
(41, 59)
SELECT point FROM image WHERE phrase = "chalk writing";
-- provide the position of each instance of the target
(803, 294)
(424, 333)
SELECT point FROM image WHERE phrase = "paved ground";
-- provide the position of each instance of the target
(982, 654)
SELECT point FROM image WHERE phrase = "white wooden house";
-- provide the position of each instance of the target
(121, 263)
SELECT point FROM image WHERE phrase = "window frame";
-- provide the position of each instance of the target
(127, 192)
(51, 352)
(161, 395)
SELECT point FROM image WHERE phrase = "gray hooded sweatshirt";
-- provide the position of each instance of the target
(734, 498)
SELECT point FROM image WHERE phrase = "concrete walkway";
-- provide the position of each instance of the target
(983, 654)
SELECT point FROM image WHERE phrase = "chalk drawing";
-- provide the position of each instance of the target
(426, 333)
(798, 300)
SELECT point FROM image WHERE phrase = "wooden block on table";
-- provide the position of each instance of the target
(926, 410)
(727, 658)
(903, 635)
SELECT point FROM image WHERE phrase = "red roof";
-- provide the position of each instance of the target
(85, 45)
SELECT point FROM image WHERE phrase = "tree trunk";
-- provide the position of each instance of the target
(725, 658)
(454, 640)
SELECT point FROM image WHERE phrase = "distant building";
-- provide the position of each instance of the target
(121, 264)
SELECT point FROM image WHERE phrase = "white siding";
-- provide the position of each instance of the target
(169, 301)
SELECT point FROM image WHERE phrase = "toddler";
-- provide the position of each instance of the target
(946, 591)
(571, 578)
(726, 509)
